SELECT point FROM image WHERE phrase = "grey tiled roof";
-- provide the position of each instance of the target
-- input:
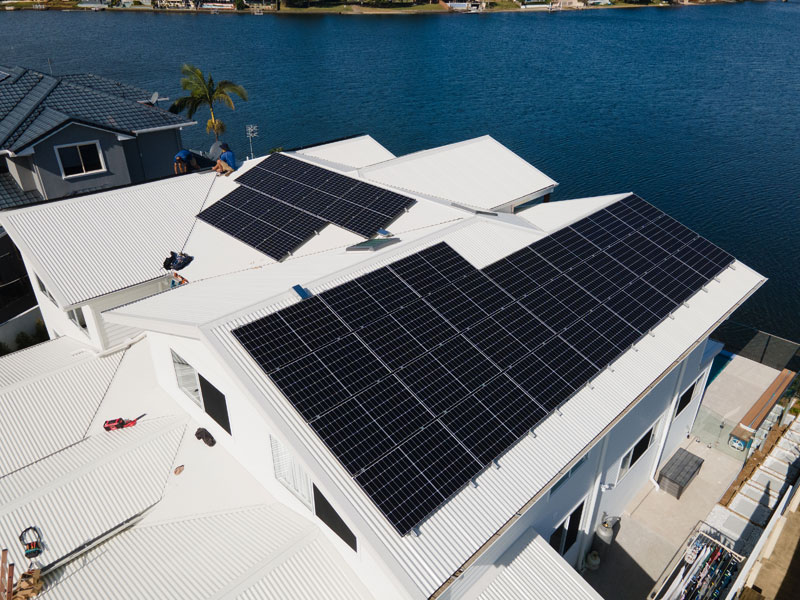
(11, 196)
(32, 104)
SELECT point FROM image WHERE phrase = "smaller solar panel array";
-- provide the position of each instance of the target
(284, 201)
(419, 374)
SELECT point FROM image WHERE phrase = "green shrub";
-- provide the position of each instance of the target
(23, 340)
(4, 349)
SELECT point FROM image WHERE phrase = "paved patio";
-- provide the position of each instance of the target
(655, 525)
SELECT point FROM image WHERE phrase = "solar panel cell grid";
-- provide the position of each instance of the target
(449, 365)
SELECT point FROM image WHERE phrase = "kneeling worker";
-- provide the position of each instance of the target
(226, 164)
(183, 160)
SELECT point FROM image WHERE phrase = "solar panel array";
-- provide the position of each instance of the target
(419, 374)
(284, 201)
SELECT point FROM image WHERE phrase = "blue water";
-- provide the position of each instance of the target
(697, 109)
(719, 363)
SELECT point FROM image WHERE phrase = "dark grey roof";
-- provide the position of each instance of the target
(32, 104)
(11, 196)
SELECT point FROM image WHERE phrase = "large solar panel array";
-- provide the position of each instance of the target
(419, 374)
(284, 201)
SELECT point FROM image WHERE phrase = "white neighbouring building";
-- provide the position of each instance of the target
(271, 510)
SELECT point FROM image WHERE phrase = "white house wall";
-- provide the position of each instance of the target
(249, 443)
(554, 506)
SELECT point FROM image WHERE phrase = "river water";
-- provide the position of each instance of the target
(697, 109)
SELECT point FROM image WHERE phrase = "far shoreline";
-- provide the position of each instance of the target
(347, 9)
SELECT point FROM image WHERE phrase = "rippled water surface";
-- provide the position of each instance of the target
(696, 109)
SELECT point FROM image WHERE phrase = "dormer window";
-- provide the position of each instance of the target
(76, 160)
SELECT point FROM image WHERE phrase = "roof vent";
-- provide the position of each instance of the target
(373, 245)
(302, 292)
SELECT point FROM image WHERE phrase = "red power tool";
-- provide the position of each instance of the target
(121, 423)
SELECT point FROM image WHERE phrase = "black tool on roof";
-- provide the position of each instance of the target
(32, 541)
(177, 261)
(203, 434)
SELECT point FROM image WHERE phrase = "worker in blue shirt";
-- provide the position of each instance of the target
(183, 160)
(226, 163)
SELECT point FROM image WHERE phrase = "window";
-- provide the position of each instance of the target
(326, 513)
(43, 289)
(566, 533)
(686, 398)
(290, 474)
(198, 388)
(636, 452)
(187, 379)
(80, 159)
(76, 316)
(569, 473)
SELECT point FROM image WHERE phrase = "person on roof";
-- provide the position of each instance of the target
(183, 160)
(226, 163)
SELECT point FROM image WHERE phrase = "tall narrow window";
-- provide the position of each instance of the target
(44, 290)
(76, 316)
(203, 393)
(327, 514)
(80, 159)
(187, 378)
(567, 532)
(635, 453)
(686, 398)
(293, 478)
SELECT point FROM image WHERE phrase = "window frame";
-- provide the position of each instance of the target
(678, 408)
(178, 359)
(77, 318)
(103, 169)
(564, 528)
(622, 471)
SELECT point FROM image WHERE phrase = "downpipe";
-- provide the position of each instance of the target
(598, 476)
(668, 425)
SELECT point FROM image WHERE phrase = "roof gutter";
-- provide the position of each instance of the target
(530, 503)
(164, 127)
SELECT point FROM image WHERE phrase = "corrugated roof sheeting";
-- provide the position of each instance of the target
(355, 152)
(88, 489)
(532, 570)
(46, 357)
(480, 173)
(460, 527)
(135, 229)
(44, 415)
(267, 549)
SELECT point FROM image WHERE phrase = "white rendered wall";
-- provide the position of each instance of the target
(552, 508)
(249, 443)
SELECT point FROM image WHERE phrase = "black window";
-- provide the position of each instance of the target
(79, 159)
(214, 403)
(326, 513)
(566, 533)
(685, 399)
(641, 447)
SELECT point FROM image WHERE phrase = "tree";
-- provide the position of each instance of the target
(204, 92)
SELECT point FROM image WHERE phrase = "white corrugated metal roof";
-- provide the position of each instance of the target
(258, 552)
(479, 173)
(463, 524)
(93, 245)
(89, 488)
(531, 570)
(355, 152)
(46, 357)
(50, 410)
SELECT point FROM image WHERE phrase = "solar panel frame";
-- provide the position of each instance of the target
(453, 364)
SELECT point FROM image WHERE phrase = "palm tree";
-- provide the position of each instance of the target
(204, 92)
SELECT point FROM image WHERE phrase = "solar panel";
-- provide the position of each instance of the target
(420, 373)
(282, 202)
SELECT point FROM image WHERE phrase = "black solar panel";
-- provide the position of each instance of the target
(419, 374)
(283, 201)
